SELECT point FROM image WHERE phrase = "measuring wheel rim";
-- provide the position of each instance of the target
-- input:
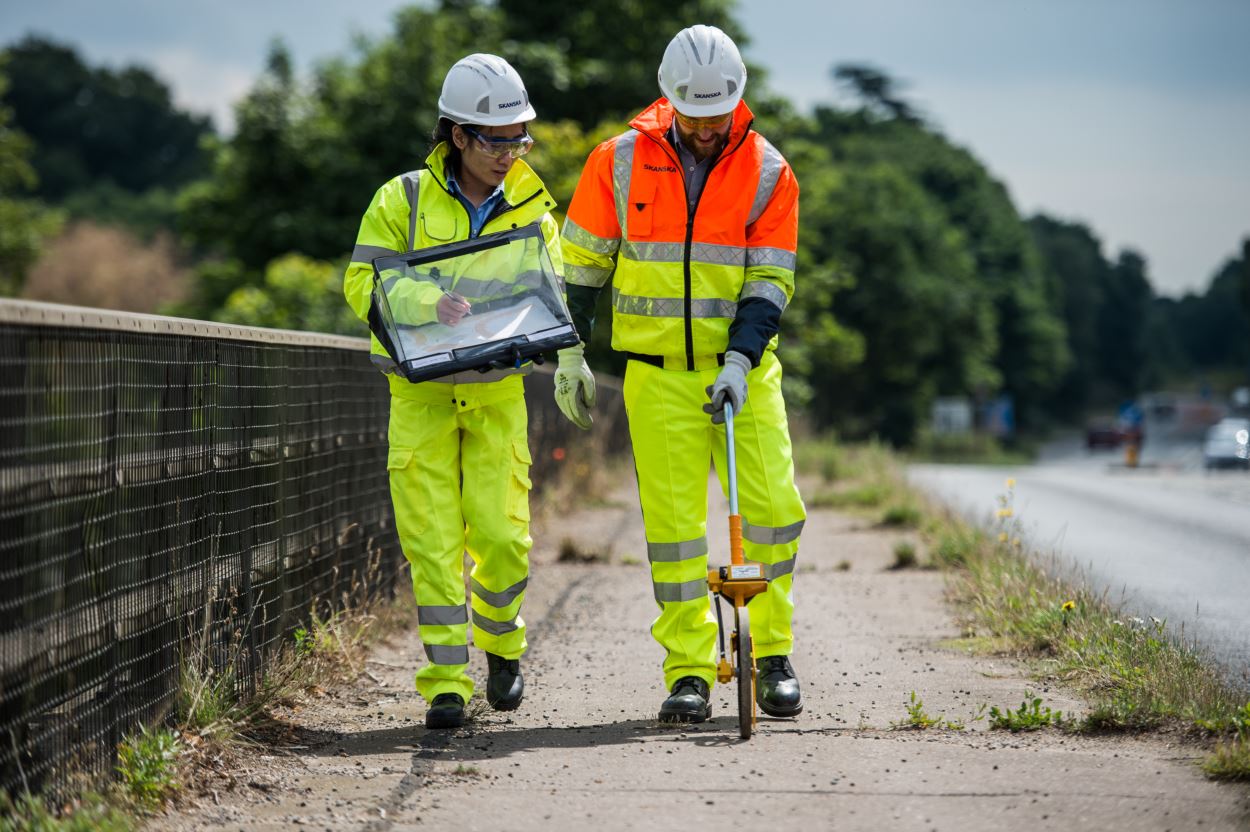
(745, 660)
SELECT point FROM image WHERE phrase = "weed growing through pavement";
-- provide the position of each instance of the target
(1030, 716)
(1231, 758)
(571, 552)
(918, 720)
(904, 555)
(147, 764)
(904, 515)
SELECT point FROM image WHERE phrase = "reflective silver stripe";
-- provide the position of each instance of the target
(500, 599)
(622, 169)
(673, 307)
(770, 172)
(687, 591)
(449, 615)
(579, 236)
(495, 628)
(412, 187)
(771, 535)
(770, 257)
(773, 571)
(770, 292)
(709, 253)
(673, 552)
(367, 254)
(591, 276)
(447, 653)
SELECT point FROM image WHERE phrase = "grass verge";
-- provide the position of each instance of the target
(215, 715)
(1137, 674)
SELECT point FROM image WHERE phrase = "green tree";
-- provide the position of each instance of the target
(24, 223)
(597, 59)
(1073, 262)
(296, 293)
(1122, 325)
(100, 125)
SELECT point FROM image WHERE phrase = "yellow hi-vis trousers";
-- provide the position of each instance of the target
(459, 472)
(674, 442)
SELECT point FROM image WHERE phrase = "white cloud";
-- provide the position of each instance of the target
(203, 84)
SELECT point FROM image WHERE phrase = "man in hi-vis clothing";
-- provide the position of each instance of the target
(694, 218)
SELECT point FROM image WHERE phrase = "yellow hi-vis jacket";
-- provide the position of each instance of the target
(417, 210)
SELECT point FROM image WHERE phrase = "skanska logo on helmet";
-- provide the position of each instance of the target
(516, 103)
(708, 94)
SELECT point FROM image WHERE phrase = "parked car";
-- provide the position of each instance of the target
(1103, 435)
(1227, 445)
(1107, 435)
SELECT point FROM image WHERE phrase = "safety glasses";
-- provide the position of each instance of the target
(496, 148)
(709, 123)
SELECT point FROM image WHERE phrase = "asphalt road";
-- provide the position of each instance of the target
(1167, 539)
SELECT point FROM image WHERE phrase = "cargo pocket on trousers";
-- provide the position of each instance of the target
(402, 480)
(519, 482)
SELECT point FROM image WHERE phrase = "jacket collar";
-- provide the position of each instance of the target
(520, 185)
(656, 120)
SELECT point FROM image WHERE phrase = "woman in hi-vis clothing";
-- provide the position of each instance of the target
(459, 459)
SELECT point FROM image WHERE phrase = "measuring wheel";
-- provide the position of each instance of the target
(744, 669)
(737, 583)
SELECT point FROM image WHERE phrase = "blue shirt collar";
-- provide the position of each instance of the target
(477, 214)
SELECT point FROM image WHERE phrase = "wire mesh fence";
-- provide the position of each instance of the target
(171, 486)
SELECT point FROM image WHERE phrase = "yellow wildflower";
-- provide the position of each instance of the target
(1004, 512)
(1002, 537)
(1068, 606)
(1011, 482)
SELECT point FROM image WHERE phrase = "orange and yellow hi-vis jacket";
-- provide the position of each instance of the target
(689, 281)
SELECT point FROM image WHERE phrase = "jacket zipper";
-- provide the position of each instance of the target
(688, 305)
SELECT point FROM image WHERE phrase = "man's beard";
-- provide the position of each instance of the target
(701, 152)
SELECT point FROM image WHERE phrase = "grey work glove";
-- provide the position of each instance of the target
(575, 387)
(730, 385)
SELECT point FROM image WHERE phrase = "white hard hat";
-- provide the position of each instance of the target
(484, 89)
(702, 73)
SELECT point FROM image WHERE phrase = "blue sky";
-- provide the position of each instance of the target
(1131, 115)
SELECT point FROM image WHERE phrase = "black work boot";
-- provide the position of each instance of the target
(446, 711)
(777, 688)
(687, 702)
(505, 687)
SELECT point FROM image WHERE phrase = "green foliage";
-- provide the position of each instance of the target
(901, 515)
(904, 555)
(820, 456)
(90, 813)
(297, 293)
(1030, 716)
(148, 766)
(917, 719)
(95, 125)
(1229, 761)
(965, 449)
(596, 59)
(867, 495)
(24, 223)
